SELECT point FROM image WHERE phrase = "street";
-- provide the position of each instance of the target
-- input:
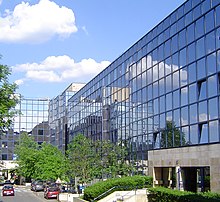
(24, 194)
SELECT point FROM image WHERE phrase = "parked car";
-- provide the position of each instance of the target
(8, 190)
(51, 192)
(37, 185)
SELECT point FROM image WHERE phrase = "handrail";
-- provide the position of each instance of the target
(103, 193)
(134, 188)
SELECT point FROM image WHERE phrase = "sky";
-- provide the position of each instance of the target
(48, 44)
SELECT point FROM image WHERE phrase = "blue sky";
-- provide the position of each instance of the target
(50, 44)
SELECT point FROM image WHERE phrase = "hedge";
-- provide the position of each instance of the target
(116, 184)
(162, 194)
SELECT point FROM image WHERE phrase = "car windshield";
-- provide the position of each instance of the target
(53, 189)
(8, 187)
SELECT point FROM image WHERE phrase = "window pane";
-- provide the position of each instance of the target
(185, 135)
(182, 57)
(184, 96)
(191, 52)
(212, 86)
(214, 131)
(202, 111)
(217, 13)
(203, 132)
(211, 64)
(184, 116)
(192, 72)
(190, 33)
(199, 27)
(200, 48)
(176, 99)
(210, 42)
(192, 93)
(194, 134)
(193, 113)
(213, 108)
(201, 70)
(209, 22)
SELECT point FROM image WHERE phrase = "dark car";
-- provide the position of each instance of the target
(51, 192)
(37, 185)
(8, 190)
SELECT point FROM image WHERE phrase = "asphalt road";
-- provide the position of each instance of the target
(24, 194)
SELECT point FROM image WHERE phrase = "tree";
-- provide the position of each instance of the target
(171, 136)
(27, 156)
(81, 157)
(35, 161)
(8, 99)
(51, 163)
(94, 159)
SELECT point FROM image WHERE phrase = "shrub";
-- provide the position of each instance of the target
(161, 194)
(116, 184)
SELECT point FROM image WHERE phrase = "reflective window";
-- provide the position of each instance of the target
(193, 134)
(206, 5)
(184, 116)
(176, 80)
(161, 69)
(193, 113)
(210, 42)
(218, 60)
(182, 39)
(169, 101)
(184, 96)
(211, 64)
(190, 33)
(167, 48)
(192, 93)
(176, 117)
(200, 48)
(202, 84)
(155, 73)
(183, 76)
(174, 44)
(182, 57)
(192, 73)
(161, 87)
(209, 22)
(214, 131)
(149, 76)
(199, 27)
(203, 133)
(149, 92)
(196, 12)
(185, 135)
(176, 99)
(203, 111)
(156, 106)
(201, 69)
(213, 108)
(212, 86)
(217, 17)
(162, 104)
(191, 50)
(155, 89)
(218, 38)
(168, 83)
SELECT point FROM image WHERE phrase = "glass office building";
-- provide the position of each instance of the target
(33, 120)
(58, 116)
(161, 96)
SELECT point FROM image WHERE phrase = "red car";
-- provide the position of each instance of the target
(51, 192)
(8, 190)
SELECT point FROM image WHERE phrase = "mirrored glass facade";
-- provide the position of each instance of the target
(33, 120)
(163, 92)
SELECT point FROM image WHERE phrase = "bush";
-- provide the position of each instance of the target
(116, 184)
(161, 194)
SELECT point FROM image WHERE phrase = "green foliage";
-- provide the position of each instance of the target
(39, 162)
(117, 184)
(8, 99)
(171, 136)
(161, 194)
(89, 160)
(27, 156)
(51, 163)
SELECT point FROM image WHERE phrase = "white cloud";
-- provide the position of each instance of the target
(1, 2)
(59, 69)
(36, 23)
(19, 82)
